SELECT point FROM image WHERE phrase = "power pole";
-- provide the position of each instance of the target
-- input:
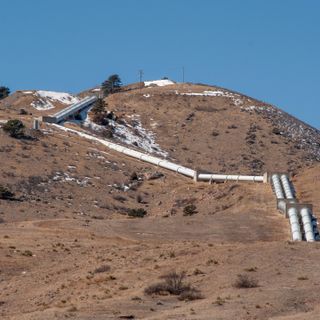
(182, 74)
(140, 77)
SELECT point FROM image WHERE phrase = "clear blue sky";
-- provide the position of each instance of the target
(267, 49)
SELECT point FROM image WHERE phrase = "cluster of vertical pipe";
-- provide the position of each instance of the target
(283, 190)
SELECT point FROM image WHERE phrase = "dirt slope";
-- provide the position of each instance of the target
(219, 130)
(69, 217)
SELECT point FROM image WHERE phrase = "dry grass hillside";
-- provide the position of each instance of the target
(72, 246)
(224, 132)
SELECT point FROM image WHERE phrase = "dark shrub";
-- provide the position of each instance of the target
(189, 210)
(107, 132)
(5, 193)
(243, 281)
(173, 283)
(4, 92)
(104, 268)
(15, 128)
(137, 213)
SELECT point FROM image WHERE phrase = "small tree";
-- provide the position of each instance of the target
(15, 128)
(99, 113)
(4, 92)
(111, 85)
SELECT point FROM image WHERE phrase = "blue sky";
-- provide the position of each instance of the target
(268, 49)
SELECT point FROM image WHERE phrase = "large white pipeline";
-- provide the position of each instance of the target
(134, 154)
(287, 187)
(225, 177)
(304, 213)
(160, 162)
(294, 223)
(277, 186)
(307, 224)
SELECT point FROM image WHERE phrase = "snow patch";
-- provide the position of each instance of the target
(62, 97)
(159, 83)
(45, 99)
(134, 135)
(215, 93)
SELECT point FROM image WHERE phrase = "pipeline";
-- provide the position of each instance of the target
(281, 184)
(286, 186)
(282, 190)
(277, 186)
(294, 212)
(307, 224)
(161, 162)
(294, 223)
(225, 177)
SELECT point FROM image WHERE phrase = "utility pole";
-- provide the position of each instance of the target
(140, 77)
(182, 74)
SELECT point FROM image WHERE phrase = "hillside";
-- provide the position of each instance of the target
(69, 247)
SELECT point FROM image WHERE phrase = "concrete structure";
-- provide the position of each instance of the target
(69, 111)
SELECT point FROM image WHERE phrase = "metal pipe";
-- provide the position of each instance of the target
(294, 223)
(307, 225)
(225, 177)
(135, 154)
(160, 162)
(277, 186)
(286, 187)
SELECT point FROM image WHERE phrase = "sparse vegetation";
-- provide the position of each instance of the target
(137, 213)
(101, 269)
(100, 113)
(15, 128)
(244, 281)
(173, 283)
(4, 92)
(27, 253)
(5, 193)
(111, 85)
(190, 210)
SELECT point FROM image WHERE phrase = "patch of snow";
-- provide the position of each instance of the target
(65, 177)
(62, 97)
(41, 104)
(215, 93)
(147, 95)
(96, 90)
(45, 99)
(27, 92)
(132, 135)
(159, 83)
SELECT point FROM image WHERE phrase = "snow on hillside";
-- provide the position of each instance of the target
(215, 93)
(134, 135)
(44, 100)
(61, 97)
(159, 83)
